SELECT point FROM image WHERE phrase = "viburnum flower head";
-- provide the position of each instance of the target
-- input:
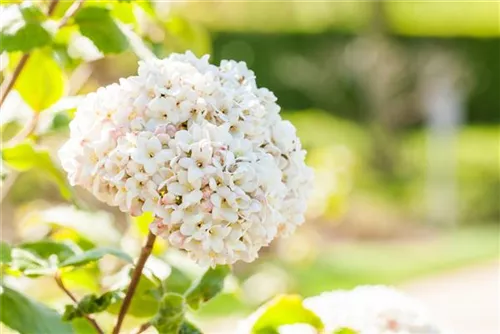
(198, 145)
(372, 310)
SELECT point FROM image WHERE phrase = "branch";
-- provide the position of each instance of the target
(91, 320)
(142, 328)
(136, 276)
(70, 12)
(9, 84)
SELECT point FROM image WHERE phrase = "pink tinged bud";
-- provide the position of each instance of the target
(163, 138)
(176, 239)
(206, 193)
(165, 200)
(115, 133)
(204, 180)
(157, 227)
(207, 206)
(160, 129)
(171, 130)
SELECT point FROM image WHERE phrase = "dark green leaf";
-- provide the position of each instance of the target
(94, 255)
(189, 328)
(207, 287)
(284, 310)
(24, 157)
(97, 24)
(27, 316)
(170, 315)
(22, 28)
(90, 304)
(5, 250)
(42, 81)
(177, 281)
(144, 304)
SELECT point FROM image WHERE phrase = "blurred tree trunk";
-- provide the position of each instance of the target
(383, 74)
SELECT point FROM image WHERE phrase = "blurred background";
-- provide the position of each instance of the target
(398, 106)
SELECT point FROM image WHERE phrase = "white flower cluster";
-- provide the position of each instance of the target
(371, 310)
(198, 145)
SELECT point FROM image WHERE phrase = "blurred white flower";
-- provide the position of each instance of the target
(372, 310)
(199, 146)
(297, 329)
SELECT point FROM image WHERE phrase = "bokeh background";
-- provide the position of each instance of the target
(398, 105)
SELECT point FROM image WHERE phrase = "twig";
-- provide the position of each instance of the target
(142, 328)
(91, 320)
(70, 13)
(136, 276)
(9, 83)
(52, 7)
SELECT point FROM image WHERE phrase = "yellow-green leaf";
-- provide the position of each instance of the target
(24, 156)
(284, 310)
(41, 82)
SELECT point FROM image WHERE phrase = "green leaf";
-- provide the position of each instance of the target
(5, 252)
(207, 287)
(170, 316)
(94, 255)
(284, 310)
(22, 28)
(82, 326)
(345, 331)
(97, 24)
(42, 81)
(144, 304)
(124, 11)
(24, 157)
(30, 264)
(41, 258)
(189, 328)
(90, 304)
(27, 316)
(44, 249)
(187, 35)
(177, 281)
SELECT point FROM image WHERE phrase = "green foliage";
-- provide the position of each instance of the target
(42, 81)
(94, 255)
(5, 252)
(98, 25)
(177, 281)
(40, 258)
(189, 328)
(145, 304)
(284, 310)
(90, 304)
(22, 29)
(170, 316)
(188, 35)
(29, 264)
(25, 156)
(28, 316)
(48, 248)
(207, 287)
(345, 331)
